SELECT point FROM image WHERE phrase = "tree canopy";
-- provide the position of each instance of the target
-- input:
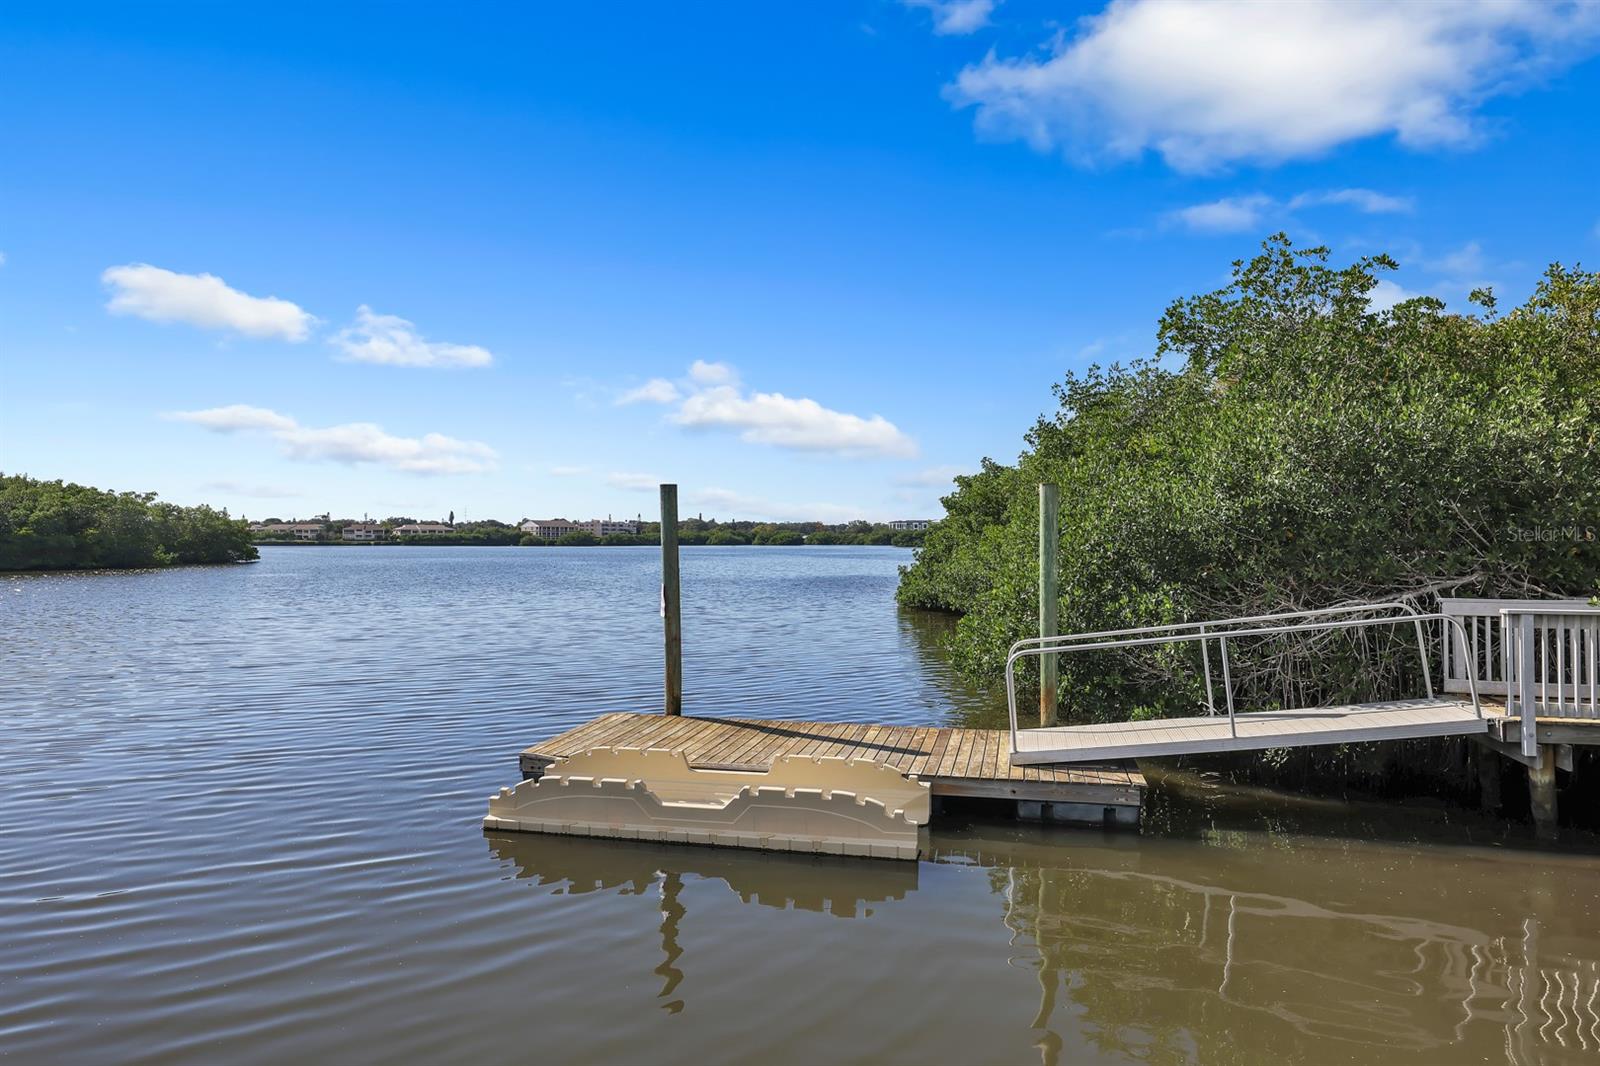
(1288, 446)
(55, 525)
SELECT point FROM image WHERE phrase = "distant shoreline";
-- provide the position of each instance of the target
(457, 544)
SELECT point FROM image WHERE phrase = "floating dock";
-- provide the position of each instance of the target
(808, 804)
(973, 763)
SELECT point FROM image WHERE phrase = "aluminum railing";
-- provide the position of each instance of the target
(1483, 620)
(1223, 630)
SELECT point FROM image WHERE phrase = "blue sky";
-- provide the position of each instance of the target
(805, 260)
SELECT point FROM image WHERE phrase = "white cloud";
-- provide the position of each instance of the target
(656, 390)
(1232, 214)
(235, 417)
(1465, 262)
(391, 340)
(258, 492)
(1366, 201)
(1387, 294)
(956, 17)
(711, 398)
(704, 373)
(791, 422)
(731, 504)
(1238, 214)
(1205, 83)
(351, 442)
(634, 482)
(933, 476)
(203, 300)
(2, 259)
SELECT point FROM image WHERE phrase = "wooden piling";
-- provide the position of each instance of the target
(671, 617)
(1542, 792)
(1049, 540)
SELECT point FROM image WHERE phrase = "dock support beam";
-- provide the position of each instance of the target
(1049, 542)
(671, 617)
(1542, 792)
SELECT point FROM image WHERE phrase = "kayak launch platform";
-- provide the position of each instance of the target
(971, 763)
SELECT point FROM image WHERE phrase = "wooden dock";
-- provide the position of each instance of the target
(955, 762)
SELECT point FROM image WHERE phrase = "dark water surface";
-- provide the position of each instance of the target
(239, 821)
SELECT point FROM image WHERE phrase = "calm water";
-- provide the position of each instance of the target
(239, 820)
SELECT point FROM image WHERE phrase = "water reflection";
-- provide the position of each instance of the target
(827, 884)
(1183, 969)
(926, 635)
(1144, 951)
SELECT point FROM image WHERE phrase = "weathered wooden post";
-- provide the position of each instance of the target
(1049, 540)
(1542, 792)
(671, 619)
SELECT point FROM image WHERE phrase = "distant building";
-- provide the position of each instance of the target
(423, 529)
(549, 528)
(365, 531)
(297, 530)
(556, 528)
(910, 523)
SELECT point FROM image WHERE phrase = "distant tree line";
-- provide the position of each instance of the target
(489, 531)
(56, 525)
(695, 531)
(692, 531)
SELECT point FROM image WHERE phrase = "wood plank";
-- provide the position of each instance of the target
(952, 749)
(851, 740)
(816, 737)
(991, 754)
(739, 737)
(941, 741)
(710, 744)
(923, 740)
(971, 745)
(759, 741)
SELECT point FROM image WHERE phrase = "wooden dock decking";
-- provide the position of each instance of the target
(1357, 723)
(954, 762)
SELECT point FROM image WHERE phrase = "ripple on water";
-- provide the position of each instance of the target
(239, 820)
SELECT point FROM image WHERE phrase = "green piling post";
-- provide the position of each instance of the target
(1049, 540)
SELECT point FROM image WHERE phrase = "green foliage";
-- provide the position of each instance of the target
(1288, 447)
(577, 539)
(53, 525)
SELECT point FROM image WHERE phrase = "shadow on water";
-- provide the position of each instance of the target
(1177, 950)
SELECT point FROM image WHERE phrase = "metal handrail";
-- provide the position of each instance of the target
(1168, 634)
(1165, 627)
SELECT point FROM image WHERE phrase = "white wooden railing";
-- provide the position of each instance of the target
(1543, 656)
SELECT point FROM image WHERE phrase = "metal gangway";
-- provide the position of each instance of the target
(1227, 729)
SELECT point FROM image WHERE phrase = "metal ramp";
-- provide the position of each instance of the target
(1258, 730)
(1226, 729)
